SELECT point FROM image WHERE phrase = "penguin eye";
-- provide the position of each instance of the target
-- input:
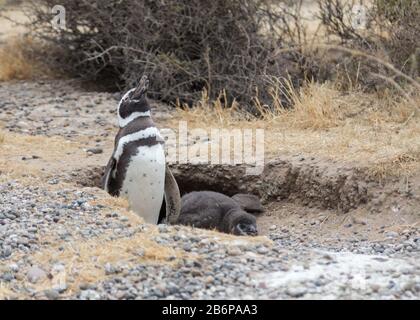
(242, 226)
(247, 228)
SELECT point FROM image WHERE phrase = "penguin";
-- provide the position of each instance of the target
(137, 169)
(213, 210)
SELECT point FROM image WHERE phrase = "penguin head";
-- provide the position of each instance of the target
(243, 224)
(134, 103)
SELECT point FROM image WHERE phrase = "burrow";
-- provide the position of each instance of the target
(306, 182)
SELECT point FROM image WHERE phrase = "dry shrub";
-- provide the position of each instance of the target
(403, 27)
(17, 59)
(184, 45)
(391, 36)
(317, 106)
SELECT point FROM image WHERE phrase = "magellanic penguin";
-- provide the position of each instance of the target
(213, 210)
(137, 169)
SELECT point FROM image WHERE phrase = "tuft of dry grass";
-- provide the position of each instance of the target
(378, 131)
(400, 165)
(57, 152)
(16, 62)
(84, 260)
(315, 106)
(212, 111)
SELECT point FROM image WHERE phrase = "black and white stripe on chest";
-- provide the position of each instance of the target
(140, 132)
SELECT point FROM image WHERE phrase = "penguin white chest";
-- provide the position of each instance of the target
(144, 182)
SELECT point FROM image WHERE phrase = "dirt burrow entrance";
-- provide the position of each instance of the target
(306, 182)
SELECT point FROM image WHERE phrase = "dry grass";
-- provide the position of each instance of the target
(55, 153)
(84, 260)
(5, 291)
(16, 62)
(378, 131)
(212, 112)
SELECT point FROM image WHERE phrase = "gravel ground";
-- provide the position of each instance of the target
(212, 266)
(59, 240)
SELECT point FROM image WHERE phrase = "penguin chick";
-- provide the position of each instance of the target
(212, 210)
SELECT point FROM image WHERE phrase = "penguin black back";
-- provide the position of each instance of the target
(212, 210)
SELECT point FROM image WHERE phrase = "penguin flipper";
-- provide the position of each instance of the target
(172, 197)
(112, 164)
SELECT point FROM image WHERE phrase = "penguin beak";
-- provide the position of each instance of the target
(252, 230)
(245, 230)
(141, 88)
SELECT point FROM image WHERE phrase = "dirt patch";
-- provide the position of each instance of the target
(289, 179)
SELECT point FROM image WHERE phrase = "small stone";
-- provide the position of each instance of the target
(391, 234)
(7, 277)
(95, 150)
(53, 181)
(86, 286)
(235, 251)
(296, 292)
(7, 251)
(110, 269)
(60, 287)
(209, 280)
(187, 247)
(410, 286)
(52, 294)
(357, 220)
(263, 250)
(13, 267)
(35, 274)
(375, 287)
(89, 295)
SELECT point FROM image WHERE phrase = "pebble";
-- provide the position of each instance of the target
(89, 295)
(95, 150)
(52, 294)
(7, 277)
(263, 250)
(296, 292)
(391, 234)
(35, 274)
(235, 251)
